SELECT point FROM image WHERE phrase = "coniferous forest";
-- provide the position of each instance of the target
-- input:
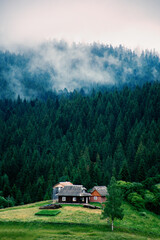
(78, 137)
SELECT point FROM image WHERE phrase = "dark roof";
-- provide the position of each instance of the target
(74, 190)
(102, 190)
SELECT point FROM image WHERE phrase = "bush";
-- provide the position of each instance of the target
(3, 202)
(158, 186)
(150, 200)
(48, 212)
(125, 187)
(151, 181)
(128, 187)
(136, 200)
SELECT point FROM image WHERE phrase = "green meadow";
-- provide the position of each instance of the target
(75, 222)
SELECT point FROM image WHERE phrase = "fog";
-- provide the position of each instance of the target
(55, 65)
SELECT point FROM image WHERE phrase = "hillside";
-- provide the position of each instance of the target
(75, 222)
(83, 139)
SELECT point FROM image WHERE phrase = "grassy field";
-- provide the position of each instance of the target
(75, 222)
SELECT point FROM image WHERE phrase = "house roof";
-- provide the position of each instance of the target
(74, 190)
(62, 184)
(102, 190)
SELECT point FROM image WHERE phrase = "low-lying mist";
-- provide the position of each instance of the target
(54, 66)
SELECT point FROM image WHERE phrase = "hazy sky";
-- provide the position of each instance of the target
(133, 23)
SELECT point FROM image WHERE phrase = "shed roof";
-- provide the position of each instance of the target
(102, 190)
(74, 190)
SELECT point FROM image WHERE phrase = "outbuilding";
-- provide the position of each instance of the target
(98, 194)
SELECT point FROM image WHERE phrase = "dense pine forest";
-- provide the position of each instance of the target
(78, 137)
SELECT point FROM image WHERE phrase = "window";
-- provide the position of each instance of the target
(63, 199)
(74, 199)
(95, 197)
(82, 199)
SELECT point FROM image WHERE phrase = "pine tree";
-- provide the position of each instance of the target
(141, 173)
(19, 199)
(124, 172)
(113, 203)
(119, 156)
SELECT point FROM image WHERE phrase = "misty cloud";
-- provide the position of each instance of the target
(71, 67)
(54, 66)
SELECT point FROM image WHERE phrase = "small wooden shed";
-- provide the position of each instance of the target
(98, 194)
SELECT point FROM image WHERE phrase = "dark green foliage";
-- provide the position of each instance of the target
(9, 202)
(80, 138)
(113, 203)
(19, 199)
(136, 200)
(142, 195)
(3, 202)
(141, 173)
(150, 200)
(124, 172)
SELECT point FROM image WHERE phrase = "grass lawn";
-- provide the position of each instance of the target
(75, 222)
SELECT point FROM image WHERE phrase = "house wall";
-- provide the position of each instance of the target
(69, 199)
(55, 191)
(95, 193)
(99, 199)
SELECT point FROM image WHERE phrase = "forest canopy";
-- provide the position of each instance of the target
(77, 137)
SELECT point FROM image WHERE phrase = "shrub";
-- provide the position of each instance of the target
(128, 187)
(150, 200)
(136, 200)
(125, 187)
(3, 202)
(158, 186)
(151, 181)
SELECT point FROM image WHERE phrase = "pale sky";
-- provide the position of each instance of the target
(132, 23)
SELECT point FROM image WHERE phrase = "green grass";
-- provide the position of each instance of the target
(77, 223)
(70, 204)
(48, 212)
(30, 205)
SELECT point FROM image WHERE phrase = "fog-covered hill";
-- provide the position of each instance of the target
(54, 66)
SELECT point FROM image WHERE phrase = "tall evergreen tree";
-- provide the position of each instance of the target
(124, 173)
(141, 173)
(113, 203)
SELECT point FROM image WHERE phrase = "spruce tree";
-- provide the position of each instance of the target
(124, 172)
(141, 173)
